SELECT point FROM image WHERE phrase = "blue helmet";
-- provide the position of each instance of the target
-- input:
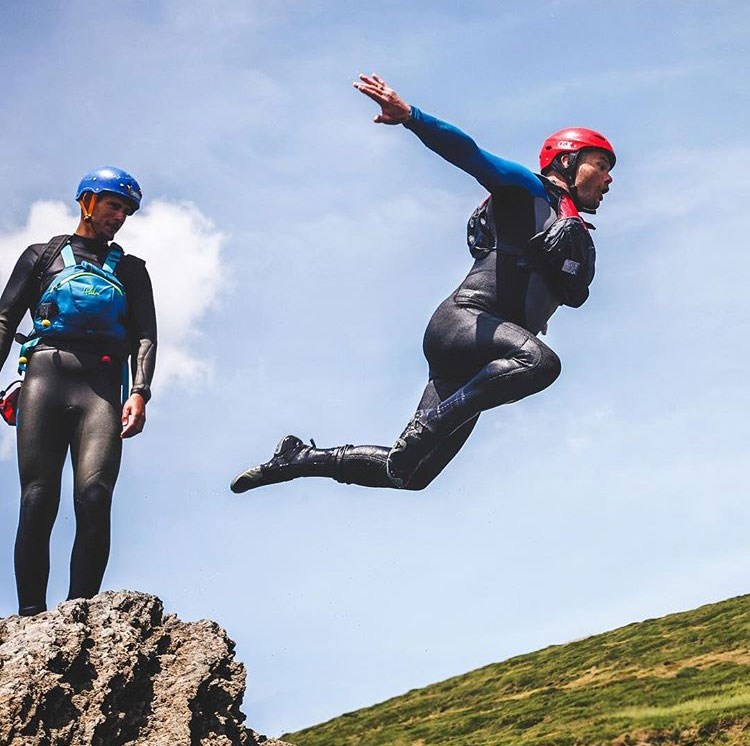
(111, 179)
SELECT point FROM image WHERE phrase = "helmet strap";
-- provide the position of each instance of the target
(569, 174)
(88, 210)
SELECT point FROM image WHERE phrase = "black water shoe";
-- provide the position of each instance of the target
(284, 465)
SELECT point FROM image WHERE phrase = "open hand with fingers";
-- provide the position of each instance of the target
(394, 109)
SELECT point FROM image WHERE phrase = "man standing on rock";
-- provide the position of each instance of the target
(92, 308)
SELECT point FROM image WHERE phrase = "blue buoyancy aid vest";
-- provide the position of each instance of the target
(83, 303)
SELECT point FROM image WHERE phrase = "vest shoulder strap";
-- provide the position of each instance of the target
(113, 258)
(49, 254)
(68, 256)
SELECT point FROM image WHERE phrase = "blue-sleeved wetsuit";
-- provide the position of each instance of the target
(523, 205)
(480, 343)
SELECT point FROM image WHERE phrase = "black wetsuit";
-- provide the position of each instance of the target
(71, 398)
(478, 359)
(481, 342)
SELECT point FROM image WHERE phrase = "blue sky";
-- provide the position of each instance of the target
(298, 251)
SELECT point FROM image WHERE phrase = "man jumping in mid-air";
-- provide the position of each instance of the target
(533, 253)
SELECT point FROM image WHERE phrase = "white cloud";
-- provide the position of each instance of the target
(182, 249)
(46, 219)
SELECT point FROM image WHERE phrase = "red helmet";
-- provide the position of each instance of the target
(573, 140)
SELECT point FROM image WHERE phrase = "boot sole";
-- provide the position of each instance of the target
(247, 480)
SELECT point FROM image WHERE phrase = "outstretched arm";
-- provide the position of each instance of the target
(491, 171)
(448, 141)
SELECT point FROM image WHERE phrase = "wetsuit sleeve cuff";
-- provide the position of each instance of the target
(414, 118)
(144, 391)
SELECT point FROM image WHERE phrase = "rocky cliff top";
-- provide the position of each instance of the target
(115, 670)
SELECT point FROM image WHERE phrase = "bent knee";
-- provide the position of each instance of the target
(534, 367)
(548, 368)
(542, 363)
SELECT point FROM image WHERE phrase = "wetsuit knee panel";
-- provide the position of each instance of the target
(549, 366)
(39, 496)
(543, 360)
(533, 367)
(39, 503)
(94, 497)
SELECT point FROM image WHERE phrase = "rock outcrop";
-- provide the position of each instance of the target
(115, 670)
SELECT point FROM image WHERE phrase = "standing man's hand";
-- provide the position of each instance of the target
(133, 416)
(394, 109)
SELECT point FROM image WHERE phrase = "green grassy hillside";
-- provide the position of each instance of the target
(682, 679)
